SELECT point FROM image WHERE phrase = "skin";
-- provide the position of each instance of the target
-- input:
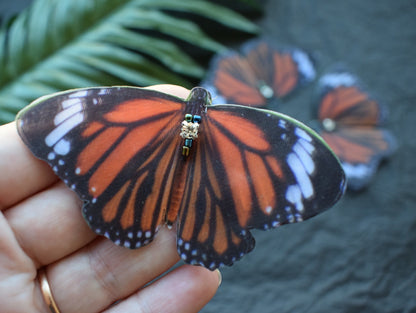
(41, 226)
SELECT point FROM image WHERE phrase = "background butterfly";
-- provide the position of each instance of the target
(262, 72)
(122, 150)
(351, 125)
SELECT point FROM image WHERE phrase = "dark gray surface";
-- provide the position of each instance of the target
(359, 256)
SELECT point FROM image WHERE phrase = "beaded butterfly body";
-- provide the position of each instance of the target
(136, 165)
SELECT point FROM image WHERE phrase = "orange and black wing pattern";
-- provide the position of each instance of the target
(351, 123)
(260, 73)
(251, 168)
(140, 159)
(115, 148)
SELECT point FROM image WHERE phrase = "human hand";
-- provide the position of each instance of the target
(42, 230)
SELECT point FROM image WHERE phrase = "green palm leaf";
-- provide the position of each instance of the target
(62, 44)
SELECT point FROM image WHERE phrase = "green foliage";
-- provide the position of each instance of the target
(63, 44)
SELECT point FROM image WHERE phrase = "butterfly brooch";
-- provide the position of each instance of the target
(140, 159)
(351, 123)
(259, 74)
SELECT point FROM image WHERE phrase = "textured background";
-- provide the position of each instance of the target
(359, 256)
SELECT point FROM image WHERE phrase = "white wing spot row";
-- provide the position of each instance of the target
(66, 120)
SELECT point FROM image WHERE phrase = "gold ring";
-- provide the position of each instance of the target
(46, 291)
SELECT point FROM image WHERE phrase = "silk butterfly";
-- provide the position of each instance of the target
(141, 159)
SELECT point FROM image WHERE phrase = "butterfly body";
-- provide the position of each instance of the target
(121, 149)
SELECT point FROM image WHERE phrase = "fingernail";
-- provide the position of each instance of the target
(219, 277)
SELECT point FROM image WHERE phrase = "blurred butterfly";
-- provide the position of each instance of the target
(258, 75)
(350, 124)
(140, 159)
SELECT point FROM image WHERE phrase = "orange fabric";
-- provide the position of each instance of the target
(204, 231)
(286, 74)
(97, 148)
(220, 243)
(141, 109)
(245, 131)
(260, 178)
(110, 209)
(232, 160)
(361, 110)
(132, 143)
(92, 128)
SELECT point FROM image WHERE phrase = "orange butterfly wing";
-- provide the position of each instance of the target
(237, 82)
(260, 73)
(349, 106)
(116, 150)
(251, 168)
(276, 69)
(351, 122)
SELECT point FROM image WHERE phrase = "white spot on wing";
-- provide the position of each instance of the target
(302, 134)
(65, 114)
(62, 147)
(358, 171)
(69, 102)
(304, 157)
(337, 79)
(289, 215)
(59, 132)
(306, 145)
(302, 177)
(304, 63)
(275, 224)
(294, 195)
(79, 94)
(51, 156)
(282, 123)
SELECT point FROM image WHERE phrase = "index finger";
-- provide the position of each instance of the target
(22, 174)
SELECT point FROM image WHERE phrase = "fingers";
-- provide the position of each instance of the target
(49, 225)
(185, 290)
(21, 173)
(96, 276)
(178, 91)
